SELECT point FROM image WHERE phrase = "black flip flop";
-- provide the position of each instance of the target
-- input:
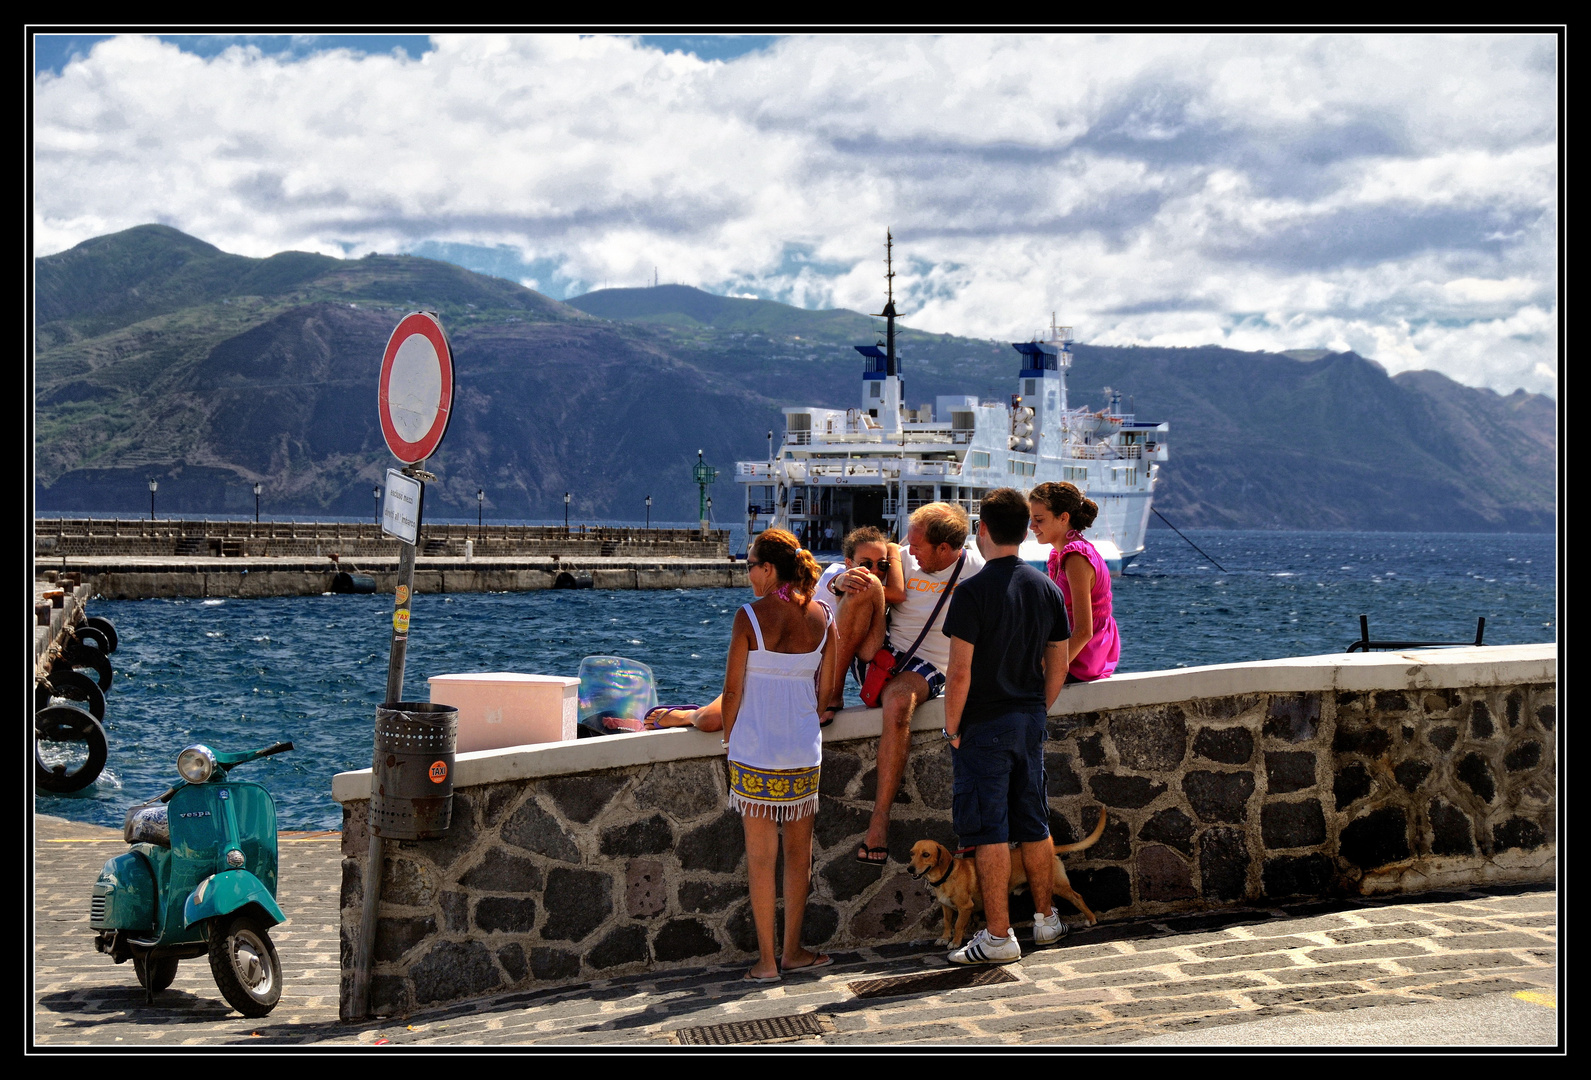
(865, 854)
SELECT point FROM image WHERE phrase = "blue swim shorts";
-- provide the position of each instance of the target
(998, 796)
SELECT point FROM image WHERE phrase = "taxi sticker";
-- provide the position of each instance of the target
(438, 772)
(400, 620)
(402, 595)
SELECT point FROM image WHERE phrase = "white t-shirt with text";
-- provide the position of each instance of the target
(922, 593)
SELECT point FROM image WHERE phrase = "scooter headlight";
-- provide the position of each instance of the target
(196, 763)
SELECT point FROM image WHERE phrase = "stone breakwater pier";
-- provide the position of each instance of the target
(131, 560)
(1296, 781)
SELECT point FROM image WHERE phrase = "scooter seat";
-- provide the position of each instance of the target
(147, 825)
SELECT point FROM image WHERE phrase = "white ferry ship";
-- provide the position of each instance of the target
(837, 469)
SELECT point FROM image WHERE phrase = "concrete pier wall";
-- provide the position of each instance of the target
(137, 579)
(1227, 785)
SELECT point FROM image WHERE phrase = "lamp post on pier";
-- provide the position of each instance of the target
(566, 512)
(256, 502)
(480, 512)
(152, 487)
(377, 493)
(649, 511)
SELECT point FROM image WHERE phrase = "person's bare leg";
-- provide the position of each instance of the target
(859, 631)
(993, 863)
(1038, 859)
(709, 717)
(762, 851)
(797, 884)
(900, 699)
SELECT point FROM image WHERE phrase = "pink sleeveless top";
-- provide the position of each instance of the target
(1098, 658)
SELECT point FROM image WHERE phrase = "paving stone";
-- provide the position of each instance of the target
(1239, 963)
(1357, 1001)
(1192, 1003)
(1499, 939)
(1116, 978)
(1292, 995)
(1036, 1020)
(1327, 955)
(1134, 962)
(1379, 933)
(1475, 988)
(1197, 986)
(1472, 961)
(1242, 947)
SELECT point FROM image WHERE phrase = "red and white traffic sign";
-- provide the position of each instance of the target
(416, 395)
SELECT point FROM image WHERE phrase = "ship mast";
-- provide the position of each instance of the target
(888, 314)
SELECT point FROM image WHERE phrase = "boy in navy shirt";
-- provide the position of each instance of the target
(1007, 628)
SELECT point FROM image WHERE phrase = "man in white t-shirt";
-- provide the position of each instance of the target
(934, 545)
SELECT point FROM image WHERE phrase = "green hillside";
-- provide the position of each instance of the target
(158, 355)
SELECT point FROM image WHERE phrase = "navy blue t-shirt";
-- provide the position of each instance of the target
(1009, 612)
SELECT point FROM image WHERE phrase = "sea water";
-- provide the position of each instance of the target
(241, 674)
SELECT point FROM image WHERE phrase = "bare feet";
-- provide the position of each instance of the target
(660, 718)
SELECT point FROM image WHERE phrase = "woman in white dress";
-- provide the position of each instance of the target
(772, 736)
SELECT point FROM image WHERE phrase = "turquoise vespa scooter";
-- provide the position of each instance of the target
(200, 879)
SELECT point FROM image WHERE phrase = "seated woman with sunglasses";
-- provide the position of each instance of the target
(854, 592)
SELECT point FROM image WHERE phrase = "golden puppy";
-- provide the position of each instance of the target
(954, 881)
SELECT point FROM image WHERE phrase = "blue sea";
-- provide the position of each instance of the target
(245, 673)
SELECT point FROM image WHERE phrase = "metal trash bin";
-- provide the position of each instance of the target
(411, 795)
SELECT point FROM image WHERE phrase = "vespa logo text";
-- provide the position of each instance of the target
(195, 813)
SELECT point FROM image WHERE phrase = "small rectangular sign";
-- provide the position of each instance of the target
(400, 508)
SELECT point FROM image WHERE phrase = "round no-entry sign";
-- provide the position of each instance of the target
(416, 394)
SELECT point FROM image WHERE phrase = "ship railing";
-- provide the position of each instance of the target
(754, 468)
(798, 438)
(934, 468)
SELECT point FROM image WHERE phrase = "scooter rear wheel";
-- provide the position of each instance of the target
(245, 966)
(155, 974)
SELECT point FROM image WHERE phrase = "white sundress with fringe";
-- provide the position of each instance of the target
(776, 745)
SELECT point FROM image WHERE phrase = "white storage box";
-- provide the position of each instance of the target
(503, 708)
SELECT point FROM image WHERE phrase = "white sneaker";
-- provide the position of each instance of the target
(1048, 929)
(984, 948)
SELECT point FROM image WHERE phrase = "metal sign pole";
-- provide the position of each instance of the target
(403, 597)
(414, 400)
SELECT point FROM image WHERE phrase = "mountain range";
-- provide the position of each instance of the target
(160, 356)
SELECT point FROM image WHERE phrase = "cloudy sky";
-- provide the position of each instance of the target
(1392, 194)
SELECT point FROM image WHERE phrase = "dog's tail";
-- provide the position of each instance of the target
(1088, 841)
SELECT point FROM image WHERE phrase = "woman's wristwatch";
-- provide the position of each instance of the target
(949, 737)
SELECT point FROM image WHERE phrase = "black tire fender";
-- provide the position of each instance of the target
(68, 723)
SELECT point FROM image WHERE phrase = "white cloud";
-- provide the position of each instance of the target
(1392, 193)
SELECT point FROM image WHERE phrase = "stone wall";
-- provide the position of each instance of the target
(1321, 776)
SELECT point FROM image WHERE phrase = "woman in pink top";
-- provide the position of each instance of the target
(1059, 515)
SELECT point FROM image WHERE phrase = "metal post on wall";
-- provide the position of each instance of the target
(403, 598)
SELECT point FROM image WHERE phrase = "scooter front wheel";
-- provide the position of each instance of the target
(245, 966)
(155, 974)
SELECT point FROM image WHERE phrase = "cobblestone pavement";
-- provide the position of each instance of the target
(1120, 982)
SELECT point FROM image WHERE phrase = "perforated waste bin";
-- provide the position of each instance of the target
(412, 793)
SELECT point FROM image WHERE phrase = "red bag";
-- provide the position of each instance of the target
(885, 665)
(879, 671)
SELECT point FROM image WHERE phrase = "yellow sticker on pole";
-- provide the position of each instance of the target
(402, 595)
(400, 620)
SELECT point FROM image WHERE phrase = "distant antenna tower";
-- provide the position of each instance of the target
(654, 277)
